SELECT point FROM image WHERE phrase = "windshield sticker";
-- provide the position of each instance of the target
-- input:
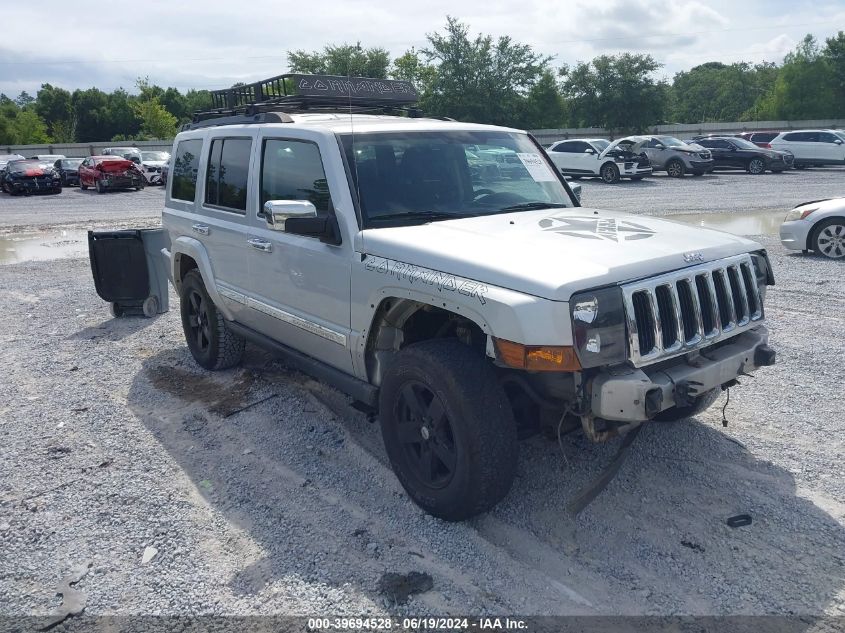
(416, 275)
(597, 228)
(537, 167)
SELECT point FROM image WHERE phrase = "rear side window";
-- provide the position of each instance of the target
(801, 137)
(293, 170)
(228, 173)
(185, 166)
(763, 137)
(567, 148)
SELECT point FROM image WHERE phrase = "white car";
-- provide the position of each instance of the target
(816, 226)
(596, 157)
(152, 164)
(812, 147)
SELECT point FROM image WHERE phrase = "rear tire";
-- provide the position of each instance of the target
(702, 402)
(83, 187)
(212, 344)
(675, 168)
(448, 429)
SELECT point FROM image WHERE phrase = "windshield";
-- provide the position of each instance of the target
(417, 177)
(671, 141)
(601, 144)
(741, 142)
(24, 165)
(155, 156)
(71, 162)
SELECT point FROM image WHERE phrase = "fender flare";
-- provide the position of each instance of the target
(194, 249)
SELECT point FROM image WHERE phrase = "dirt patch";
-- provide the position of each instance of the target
(221, 398)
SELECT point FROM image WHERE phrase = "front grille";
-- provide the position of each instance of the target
(681, 311)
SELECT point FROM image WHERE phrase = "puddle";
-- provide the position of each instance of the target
(40, 247)
(199, 388)
(738, 223)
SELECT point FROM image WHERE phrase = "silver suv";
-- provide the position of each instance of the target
(669, 154)
(459, 310)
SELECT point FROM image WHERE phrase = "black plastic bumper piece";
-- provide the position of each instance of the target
(653, 402)
(764, 356)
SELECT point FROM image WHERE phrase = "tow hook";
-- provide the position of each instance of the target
(764, 356)
(653, 402)
(686, 391)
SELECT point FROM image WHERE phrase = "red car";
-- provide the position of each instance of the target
(109, 172)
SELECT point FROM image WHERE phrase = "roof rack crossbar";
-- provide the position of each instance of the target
(296, 93)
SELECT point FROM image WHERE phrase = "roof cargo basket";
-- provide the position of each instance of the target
(308, 93)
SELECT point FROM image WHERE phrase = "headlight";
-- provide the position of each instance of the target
(598, 327)
(799, 213)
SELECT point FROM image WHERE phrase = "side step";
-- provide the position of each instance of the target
(354, 387)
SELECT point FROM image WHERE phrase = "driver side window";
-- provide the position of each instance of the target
(293, 170)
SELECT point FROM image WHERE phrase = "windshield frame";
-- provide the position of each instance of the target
(741, 143)
(365, 223)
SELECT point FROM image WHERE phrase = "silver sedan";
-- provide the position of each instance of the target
(816, 226)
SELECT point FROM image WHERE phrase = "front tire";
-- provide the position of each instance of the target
(701, 403)
(756, 166)
(828, 238)
(212, 344)
(676, 168)
(610, 173)
(448, 429)
(100, 187)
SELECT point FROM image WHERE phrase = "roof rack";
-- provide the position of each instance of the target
(291, 93)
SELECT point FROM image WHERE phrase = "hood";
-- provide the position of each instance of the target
(153, 163)
(116, 166)
(553, 253)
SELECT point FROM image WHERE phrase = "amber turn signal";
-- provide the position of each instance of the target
(536, 357)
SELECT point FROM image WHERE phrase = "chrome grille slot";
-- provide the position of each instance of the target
(646, 324)
(681, 311)
(751, 292)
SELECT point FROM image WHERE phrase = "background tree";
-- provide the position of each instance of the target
(480, 79)
(803, 89)
(54, 106)
(345, 59)
(156, 121)
(717, 92)
(616, 92)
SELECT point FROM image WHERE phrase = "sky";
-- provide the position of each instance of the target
(213, 43)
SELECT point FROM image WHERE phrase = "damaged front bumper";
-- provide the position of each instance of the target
(626, 394)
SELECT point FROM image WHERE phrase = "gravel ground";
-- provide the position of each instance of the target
(113, 442)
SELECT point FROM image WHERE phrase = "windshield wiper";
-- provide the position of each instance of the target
(530, 206)
(421, 215)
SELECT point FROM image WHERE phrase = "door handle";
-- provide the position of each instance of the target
(202, 229)
(261, 245)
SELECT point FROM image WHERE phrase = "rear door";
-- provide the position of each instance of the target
(801, 144)
(299, 287)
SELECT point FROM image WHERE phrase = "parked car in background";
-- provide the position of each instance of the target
(48, 158)
(129, 153)
(507, 162)
(591, 157)
(816, 226)
(761, 139)
(109, 172)
(736, 153)
(812, 147)
(152, 164)
(68, 169)
(30, 176)
(4, 160)
(669, 154)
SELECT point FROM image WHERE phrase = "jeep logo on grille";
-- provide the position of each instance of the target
(690, 258)
(593, 228)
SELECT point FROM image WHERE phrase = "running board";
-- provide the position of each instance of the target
(354, 387)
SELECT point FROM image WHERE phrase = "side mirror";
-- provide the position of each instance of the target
(838, 141)
(589, 150)
(277, 212)
(660, 146)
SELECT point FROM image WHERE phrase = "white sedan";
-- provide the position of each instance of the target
(816, 226)
(596, 157)
(151, 165)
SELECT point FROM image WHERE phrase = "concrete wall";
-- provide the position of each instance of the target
(544, 136)
(82, 149)
(686, 130)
